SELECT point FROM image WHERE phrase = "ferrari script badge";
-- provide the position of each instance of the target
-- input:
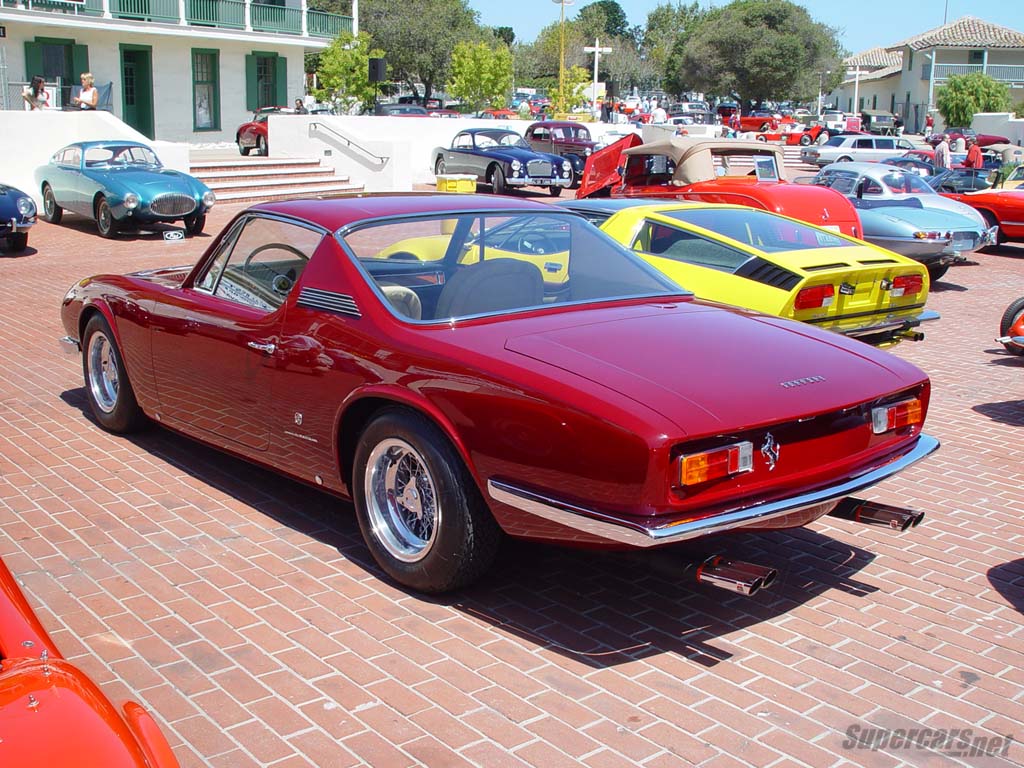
(770, 450)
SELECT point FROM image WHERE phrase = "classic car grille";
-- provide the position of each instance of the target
(770, 274)
(328, 301)
(172, 204)
(537, 168)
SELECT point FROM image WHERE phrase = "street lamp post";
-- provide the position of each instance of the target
(821, 82)
(597, 50)
(561, 52)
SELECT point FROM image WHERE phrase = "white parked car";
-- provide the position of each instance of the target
(834, 120)
(856, 147)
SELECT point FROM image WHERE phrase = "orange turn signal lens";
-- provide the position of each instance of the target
(720, 462)
(886, 418)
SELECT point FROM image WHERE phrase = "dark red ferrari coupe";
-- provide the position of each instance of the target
(465, 367)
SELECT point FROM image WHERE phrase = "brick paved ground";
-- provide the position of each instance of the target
(244, 611)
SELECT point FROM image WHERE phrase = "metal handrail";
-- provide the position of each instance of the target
(315, 126)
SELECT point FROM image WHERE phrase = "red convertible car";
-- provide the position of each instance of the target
(747, 173)
(1011, 327)
(253, 134)
(465, 367)
(51, 714)
(1004, 207)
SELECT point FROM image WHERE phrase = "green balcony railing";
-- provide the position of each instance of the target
(227, 14)
(275, 18)
(146, 10)
(320, 24)
(88, 8)
(216, 13)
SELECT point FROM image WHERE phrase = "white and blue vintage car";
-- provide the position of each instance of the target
(120, 185)
(17, 214)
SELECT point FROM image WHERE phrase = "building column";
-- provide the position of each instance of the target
(933, 55)
(106, 10)
(984, 61)
(182, 19)
(355, 17)
(248, 16)
(305, 18)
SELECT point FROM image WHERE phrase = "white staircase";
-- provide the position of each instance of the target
(260, 179)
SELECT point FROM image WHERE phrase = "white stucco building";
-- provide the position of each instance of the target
(905, 77)
(180, 70)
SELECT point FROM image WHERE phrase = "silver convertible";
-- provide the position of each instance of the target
(120, 185)
(900, 211)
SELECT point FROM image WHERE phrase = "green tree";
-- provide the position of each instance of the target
(480, 75)
(604, 19)
(344, 72)
(963, 96)
(418, 36)
(669, 26)
(757, 49)
(574, 93)
(506, 34)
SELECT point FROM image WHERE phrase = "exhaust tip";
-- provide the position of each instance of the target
(770, 578)
(918, 519)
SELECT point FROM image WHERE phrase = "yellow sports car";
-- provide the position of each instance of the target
(1016, 178)
(774, 264)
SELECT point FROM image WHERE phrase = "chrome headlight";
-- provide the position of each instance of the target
(26, 207)
(209, 198)
(516, 165)
(131, 201)
(587, 151)
(566, 165)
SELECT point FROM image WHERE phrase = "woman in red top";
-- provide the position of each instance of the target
(974, 158)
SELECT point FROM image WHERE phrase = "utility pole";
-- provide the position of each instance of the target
(561, 53)
(597, 50)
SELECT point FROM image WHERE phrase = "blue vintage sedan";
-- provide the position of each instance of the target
(121, 185)
(503, 159)
(17, 214)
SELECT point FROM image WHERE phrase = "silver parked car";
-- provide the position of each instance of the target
(857, 146)
(901, 212)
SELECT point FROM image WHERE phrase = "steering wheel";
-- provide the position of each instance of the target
(536, 243)
(272, 246)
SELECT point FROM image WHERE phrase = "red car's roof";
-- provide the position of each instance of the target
(338, 212)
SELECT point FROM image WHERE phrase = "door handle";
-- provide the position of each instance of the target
(267, 348)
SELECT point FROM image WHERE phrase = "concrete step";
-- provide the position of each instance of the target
(261, 194)
(310, 180)
(209, 177)
(254, 163)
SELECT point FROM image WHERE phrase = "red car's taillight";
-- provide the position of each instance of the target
(813, 298)
(886, 418)
(719, 462)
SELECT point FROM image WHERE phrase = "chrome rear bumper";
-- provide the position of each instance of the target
(636, 533)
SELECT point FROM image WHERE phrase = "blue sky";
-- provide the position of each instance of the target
(862, 24)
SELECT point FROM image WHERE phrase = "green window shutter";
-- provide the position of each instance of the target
(252, 93)
(281, 80)
(80, 63)
(33, 60)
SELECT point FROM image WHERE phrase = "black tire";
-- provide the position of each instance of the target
(936, 272)
(992, 221)
(1011, 316)
(805, 140)
(52, 212)
(106, 224)
(554, 191)
(439, 166)
(261, 147)
(194, 224)
(498, 181)
(420, 543)
(110, 394)
(17, 242)
(845, 159)
(243, 151)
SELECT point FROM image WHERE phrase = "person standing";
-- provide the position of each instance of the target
(929, 125)
(88, 96)
(658, 114)
(942, 154)
(974, 158)
(35, 95)
(300, 107)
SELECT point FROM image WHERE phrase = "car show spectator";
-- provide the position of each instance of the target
(88, 96)
(658, 114)
(929, 125)
(35, 95)
(974, 158)
(942, 153)
(300, 107)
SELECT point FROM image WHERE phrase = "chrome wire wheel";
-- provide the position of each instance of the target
(401, 500)
(49, 203)
(103, 376)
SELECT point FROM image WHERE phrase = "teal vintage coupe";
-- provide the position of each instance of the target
(120, 185)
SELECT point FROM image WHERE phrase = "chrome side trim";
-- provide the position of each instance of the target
(70, 345)
(638, 534)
